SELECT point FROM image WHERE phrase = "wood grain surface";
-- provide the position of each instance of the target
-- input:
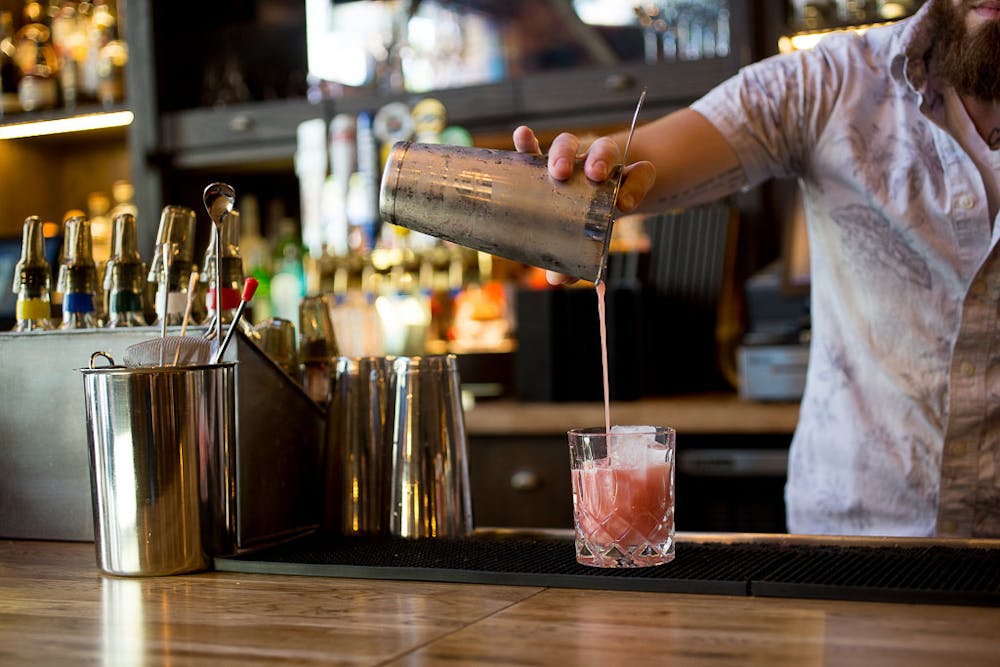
(717, 413)
(57, 608)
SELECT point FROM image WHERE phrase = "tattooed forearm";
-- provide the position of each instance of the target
(712, 188)
(994, 139)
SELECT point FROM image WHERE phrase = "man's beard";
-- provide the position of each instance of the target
(968, 61)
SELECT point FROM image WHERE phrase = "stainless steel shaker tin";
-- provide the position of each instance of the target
(429, 493)
(401, 452)
(357, 425)
(501, 202)
(155, 436)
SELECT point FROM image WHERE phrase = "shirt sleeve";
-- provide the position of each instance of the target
(773, 112)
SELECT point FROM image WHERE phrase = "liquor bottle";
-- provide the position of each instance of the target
(78, 276)
(32, 279)
(112, 58)
(86, 53)
(124, 275)
(318, 348)
(256, 253)
(177, 228)
(404, 308)
(225, 280)
(288, 284)
(38, 88)
(67, 40)
(56, 295)
(310, 163)
(342, 150)
(441, 283)
(10, 74)
(363, 188)
(123, 193)
(99, 21)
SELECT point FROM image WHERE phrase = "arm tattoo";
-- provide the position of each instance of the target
(724, 184)
(993, 141)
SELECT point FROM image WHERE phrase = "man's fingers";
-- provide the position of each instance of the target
(637, 181)
(556, 278)
(562, 155)
(525, 141)
(602, 156)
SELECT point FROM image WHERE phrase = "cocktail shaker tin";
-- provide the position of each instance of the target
(400, 450)
(429, 492)
(501, 202)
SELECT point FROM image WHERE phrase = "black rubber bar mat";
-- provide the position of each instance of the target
(924, 574)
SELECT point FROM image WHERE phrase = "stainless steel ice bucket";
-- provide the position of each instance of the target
(157, 439)
(501, 202)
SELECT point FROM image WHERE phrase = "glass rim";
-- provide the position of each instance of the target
(601, 430)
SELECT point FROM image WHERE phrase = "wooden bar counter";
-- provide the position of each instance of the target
(57, 608)
(717, 413)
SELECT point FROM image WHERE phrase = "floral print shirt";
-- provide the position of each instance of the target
(899, 428)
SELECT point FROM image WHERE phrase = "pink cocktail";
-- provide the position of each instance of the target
(623, 495)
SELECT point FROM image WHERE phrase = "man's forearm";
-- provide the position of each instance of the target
(694, 162)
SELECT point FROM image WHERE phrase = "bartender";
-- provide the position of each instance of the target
(894, 137)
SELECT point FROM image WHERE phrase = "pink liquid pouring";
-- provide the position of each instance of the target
(623, 514)
(601, 288)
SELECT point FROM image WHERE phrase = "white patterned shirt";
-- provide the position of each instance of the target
(899, 428)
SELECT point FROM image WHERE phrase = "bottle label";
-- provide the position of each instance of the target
(78, 303)
(125, 302)
(230, 298)
(33, 309)
(176, 303)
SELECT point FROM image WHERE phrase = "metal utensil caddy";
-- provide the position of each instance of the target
(275, 467)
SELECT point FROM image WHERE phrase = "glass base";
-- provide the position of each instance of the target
(614, 555)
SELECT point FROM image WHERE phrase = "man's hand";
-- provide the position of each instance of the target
(601, 158)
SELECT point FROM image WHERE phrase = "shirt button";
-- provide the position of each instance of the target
(966, 201)
(967, 369)
(949, 527)
(959, 449)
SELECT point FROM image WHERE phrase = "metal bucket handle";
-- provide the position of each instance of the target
(96, 355)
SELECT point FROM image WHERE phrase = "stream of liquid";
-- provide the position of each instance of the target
(600, 287)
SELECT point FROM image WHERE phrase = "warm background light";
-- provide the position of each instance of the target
(97, 121)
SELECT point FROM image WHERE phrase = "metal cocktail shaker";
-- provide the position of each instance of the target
(429, 492)
(398, 449)
(357, 469)
(501, 202)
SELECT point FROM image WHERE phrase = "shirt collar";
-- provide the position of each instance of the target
(910, 57)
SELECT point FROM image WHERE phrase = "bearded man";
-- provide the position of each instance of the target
(894, 138)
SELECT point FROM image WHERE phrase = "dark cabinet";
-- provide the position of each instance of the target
(261, 132)
(521, 482)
